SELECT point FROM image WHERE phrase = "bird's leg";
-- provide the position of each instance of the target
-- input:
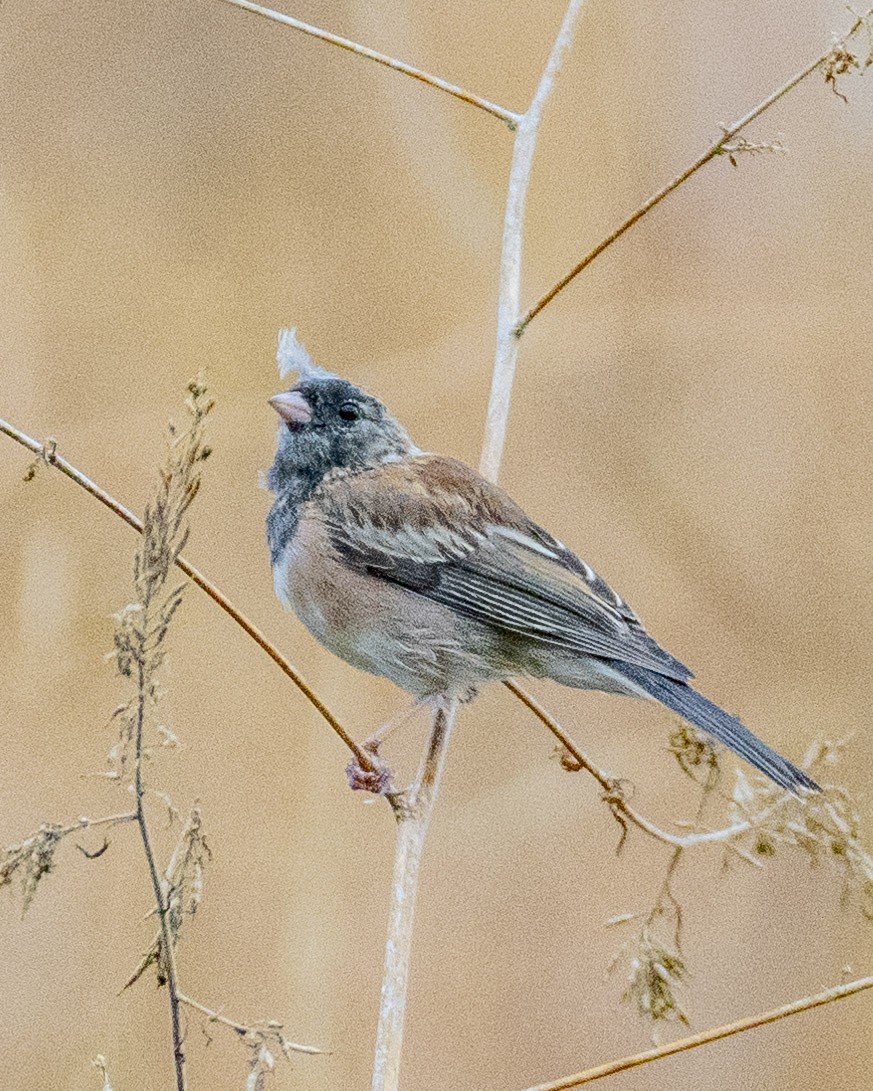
(375, 740)
(378, 781)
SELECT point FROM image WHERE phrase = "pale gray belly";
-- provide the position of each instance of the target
(379, 627)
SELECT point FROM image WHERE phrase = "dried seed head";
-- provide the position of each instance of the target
(696, 754)
(826, 826)
(142, 626)
(655, 974)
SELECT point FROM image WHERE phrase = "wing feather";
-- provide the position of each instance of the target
(436, 527)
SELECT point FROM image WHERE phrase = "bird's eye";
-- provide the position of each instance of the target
(349, 411)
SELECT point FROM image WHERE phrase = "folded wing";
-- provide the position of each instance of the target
(436, 527)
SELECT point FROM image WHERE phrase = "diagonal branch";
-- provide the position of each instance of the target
(715, 1034)
(614, 796)
(510, 118)
(718, 148)
(48, 453)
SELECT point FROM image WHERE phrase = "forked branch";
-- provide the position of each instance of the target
(509, 291)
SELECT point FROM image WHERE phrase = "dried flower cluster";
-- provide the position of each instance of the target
(99, 1063)
(841, 61)
(827, 827)
(31, 859)
(696, 754)
(265, 1042)
(34, 857)
(655, 972)
(763, 818)
(741, 146)
(141, 631)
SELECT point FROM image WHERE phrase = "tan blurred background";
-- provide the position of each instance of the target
(178, 181)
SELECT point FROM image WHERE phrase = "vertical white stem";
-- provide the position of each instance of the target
(413, 811)
(509, 299)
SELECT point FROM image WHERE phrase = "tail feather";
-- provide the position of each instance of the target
(696, 709)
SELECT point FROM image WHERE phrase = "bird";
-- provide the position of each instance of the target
(412, 566)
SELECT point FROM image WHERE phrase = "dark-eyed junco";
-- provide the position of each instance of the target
(413, 567)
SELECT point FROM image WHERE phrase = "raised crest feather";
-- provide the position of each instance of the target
(291, 356)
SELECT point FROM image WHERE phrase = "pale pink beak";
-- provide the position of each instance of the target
(292, 407)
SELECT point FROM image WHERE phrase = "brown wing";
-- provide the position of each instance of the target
(436, 527)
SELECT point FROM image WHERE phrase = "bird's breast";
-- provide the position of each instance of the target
(378, 626)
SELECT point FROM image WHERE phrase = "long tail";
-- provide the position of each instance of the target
(680, 698)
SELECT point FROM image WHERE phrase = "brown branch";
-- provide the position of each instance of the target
(807, 1003)
(614, 796)
(718, 148)
(159, 890)
(507, 116)
(47, 453)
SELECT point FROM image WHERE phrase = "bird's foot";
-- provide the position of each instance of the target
(376, 780)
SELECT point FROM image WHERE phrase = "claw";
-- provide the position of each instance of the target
(377, 781)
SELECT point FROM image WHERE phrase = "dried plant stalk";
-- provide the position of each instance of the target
(140, 634)
(413, 809)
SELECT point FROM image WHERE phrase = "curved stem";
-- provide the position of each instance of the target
(612, 787)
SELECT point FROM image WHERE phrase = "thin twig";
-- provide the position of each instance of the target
(509, 297)
(85, 823)
(47, 452)
(507, 116)
(807, 1003)
(413, 809)
(612, 792)
(718, 148)
(245, 1029)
